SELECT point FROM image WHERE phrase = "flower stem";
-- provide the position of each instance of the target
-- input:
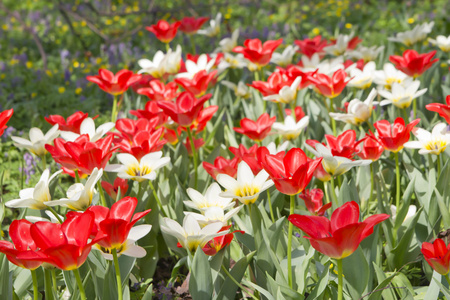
(447, 278)
(270, 206)
(102, 194)
(438, 162)
(80, 284)
(256, 73)
(280, 111)
(414, 108)
(157, 199)
(289, 247)
(44, 162)
(194, 155)
(333, 121)
(114, 110)
(333, 192)
(48, 285)
(327, 195)
(372, 183)
(35, 285)
(340, 280)
(118, 278)
(167, 47)
(397, 173)
(237, 283)
(191, 38)
(77, 177)
(55, 214)
(54, 283)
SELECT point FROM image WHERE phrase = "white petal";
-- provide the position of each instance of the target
(134, 250)
(138, 232)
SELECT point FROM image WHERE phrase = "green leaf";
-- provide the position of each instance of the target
(126, 264)
(383, 283)
(148, 295)
(356, 277)
(200, 282)
(433, 289)
(320, 286)
(5, 284)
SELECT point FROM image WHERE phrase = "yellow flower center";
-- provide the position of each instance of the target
(437, 146)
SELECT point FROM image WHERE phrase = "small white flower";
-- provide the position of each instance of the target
(144, 169)
(285, 58)
(362, 79)
(214, 214)
(433, 142)
(442, 42)
(417, 34)
(326, 66)
(341, 45)
(247, 187)
(214, 27)
(79, 196)
(366, 53)
(411, 212)
(162, 63)
(232, 61)
(335, 165)
(50, 215)
(211, 198)
(290, 129)
(400, 95)
(388, 76)
(286, 94)
(129, 247)
(37, 197)
(240, 89)
(227, 44)
(193, 68)
(191, 235)
(273, 149)
(36, 144)
(357, 111)
(88, 127)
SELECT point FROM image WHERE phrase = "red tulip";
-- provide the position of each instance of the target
(114, 84)
(393, 136)
(340, 236)
(258, 53)
(198, 84)
(248, 155)
(343, 145)
(412, 63)
(67, 245)
(164, 31)
(186, 108)
(113, 189)
(142, 83)
(330, 86)
(72, 124)
(191, 25)
(370, 149)
(220, 242)
(4, 118)
(291, 173)
(256, 130)
(222, 166)
(292, 72)
(313, 201)
(198, 143)
(115, 223)
(309, 47)
(158, 91)
(275, 82)
(204, 117)
(22, 242)
(298, 112)
(151, 111)
(437, 256)
(442, 109)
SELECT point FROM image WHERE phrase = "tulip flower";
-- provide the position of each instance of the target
(191, 25)
(285, 58)
(388, 76)
(362, 79)
(22, 242)
(313, 201)
(343, 145)
(114, 84)
(417, 34)
(73, 122)
(357, 111)
(116, 225)
(212, 198)
(198, 143)
(246, 187)
(151, 111)
(401, 95)
(434, 142)
(394, 136)
(298, 113)
(204, 117)
(214, 27)
(369, 149)
(193, 65)
(287, 94)
(256, 130)
(343, 43)
(290, 129)
(222, 166)
(437, 256)
(367, 54)
(258, 53)
(247, 155)
(88, 127)
(158, 91)
(442, 109)
(214, 214)
(330, 87)
(198, 84)
(112, 190)
(309, 47)
(38, 140)
(186, 108)
(4, 118)
(412, 63)
(291, 173)
(442, 42)
(164, 31)
(162, 64)
(240, 89)
(220, 242)
(340, 236)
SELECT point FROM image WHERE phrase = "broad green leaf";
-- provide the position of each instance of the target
(433, 290)
(200, 282)
(383, 282)
(148, 295)
(356, 277)
(5, 285)
(320, 286)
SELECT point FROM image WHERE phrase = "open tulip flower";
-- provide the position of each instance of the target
(442, 109)
(220, 242)
(401, 95)
(313, 201)
(287, 94)
(275, 82)
(434, 142)
(412, 63)
(191, 25)
(247, 155)
(290, 173)
(199, 83)
(256, 130)
(290, 129)
(4, 118)
(357, 111)
(88, 127)
(164, 31)
(114, 84)
(394, 136)
(343, 145)
(369, 148)
(222, 166)
(212, 198)
(258, 53)
(437, 255)
(38, 140)
(443, 42)
(151, 111)
(116, 226)
(157, 91)
(72, 123)
(112, 190)
(330, 87)
(417, 34)
(340, 236)
(309, 47)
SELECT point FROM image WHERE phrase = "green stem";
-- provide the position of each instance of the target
(289, 247)
(372, 183)
(194, 155)
(340, 280)
(102, 194)
(157, 199)
(333, 192)
(414, 108)
(237, 283)
(48, 285)
(114, 110)
(191, 38)
(397, 173)
(54, 283)
(438, 162)
(55, 214)
(44, 162)
(405, 115)
(77, 177)
(35, 285)
(280, 111)
(80, 284)
(447, 278)
(370, 126)
(167, 47)
(118, 278)
(270, 206)
(327, 195)
(333, 121)
(256, 73)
